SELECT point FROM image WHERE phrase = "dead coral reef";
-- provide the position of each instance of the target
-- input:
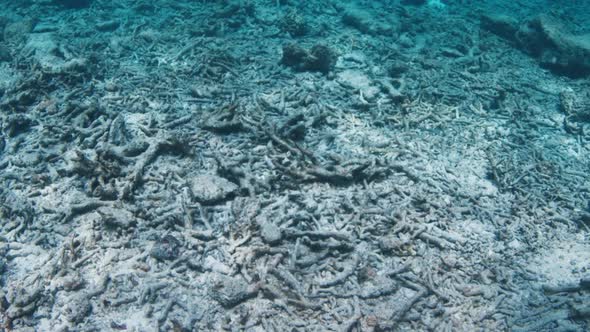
(290, 166)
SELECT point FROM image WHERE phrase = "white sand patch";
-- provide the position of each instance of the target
(563, 263)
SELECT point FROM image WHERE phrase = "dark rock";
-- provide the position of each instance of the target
(320, 58)
(556, 49)
(294, 128)
(17, 124)
(4, 53)
(293, 24)
(294, 56)
(3, 302)
(501, 25)
(397, 69)
(544, 38)
(353, 19)
(168, 248)
(74, 4)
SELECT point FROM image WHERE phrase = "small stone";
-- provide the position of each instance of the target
(116, 218)
(111, 87)
(270, 232)
(388, 244)
(77, 309)
(166, 249)
(514, 244)
(229, 291)
(209, 189)
(72, 283)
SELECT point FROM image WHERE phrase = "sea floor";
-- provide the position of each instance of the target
(294, 166)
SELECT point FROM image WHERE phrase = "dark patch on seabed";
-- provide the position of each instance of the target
(282, 165)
